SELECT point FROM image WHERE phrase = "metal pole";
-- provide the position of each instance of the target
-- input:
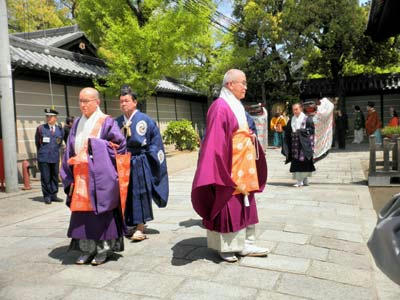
(7, 105)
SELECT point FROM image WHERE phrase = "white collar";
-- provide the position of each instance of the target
(130, 118)
(85, 127)
(297, 122)
(236, 106)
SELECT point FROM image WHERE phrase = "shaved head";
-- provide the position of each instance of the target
(232, 75)
(89, 101)
(235, 81)
(89, 91)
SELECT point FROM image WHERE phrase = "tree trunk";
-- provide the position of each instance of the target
(263, 94)
(336, 71)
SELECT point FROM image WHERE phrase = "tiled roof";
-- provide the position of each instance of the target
(55, 41)
(170, 86)
(34, 56)
(30, 50)
(352, 84)
(53, 37)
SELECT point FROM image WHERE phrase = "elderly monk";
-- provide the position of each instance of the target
(231, 168)
(299, 145)
(91, 182)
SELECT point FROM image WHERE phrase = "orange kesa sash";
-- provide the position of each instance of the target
(80, 196)
(244, 169)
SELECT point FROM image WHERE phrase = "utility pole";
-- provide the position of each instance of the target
(7, 105)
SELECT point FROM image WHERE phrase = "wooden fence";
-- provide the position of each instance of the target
(384, 173)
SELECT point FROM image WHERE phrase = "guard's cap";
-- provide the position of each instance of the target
(50, 112)
(371, 104)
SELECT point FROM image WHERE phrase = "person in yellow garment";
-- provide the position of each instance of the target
(277, 124)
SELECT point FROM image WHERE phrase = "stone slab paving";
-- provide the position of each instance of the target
(317, 236)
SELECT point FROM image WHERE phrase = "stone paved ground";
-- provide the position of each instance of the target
(317, 236)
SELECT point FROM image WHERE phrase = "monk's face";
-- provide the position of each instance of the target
(238, 87)
(88, 103)
(127, 104)
(297, 110)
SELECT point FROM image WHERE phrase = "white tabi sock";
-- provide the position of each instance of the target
(246, 201)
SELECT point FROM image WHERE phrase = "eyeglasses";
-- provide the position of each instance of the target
(85, 101)
(244, 83)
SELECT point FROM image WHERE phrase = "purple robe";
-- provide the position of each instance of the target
(105, 222)
(212, 186)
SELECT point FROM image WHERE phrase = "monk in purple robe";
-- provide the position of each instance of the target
(231, 168)
(99, 230)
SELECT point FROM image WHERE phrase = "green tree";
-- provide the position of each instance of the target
(293, 39)
(32, 15)
(273, 47)
(209, 57)
(142, 41)
(335, 32)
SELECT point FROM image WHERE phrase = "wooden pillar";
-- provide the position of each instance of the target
(386, 149)
(372, 155)
(382, 109)
(191, 113)
(15, 110)
(105, 102)
(158, 115)
(398, 153)
(15, 102)
(66, 99)
(176, 110)
(394, 156)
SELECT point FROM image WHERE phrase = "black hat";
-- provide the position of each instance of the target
(69, 120)
(50, 112)
(126, 90)
(371, 104)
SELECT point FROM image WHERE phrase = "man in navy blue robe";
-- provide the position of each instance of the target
(149, 177)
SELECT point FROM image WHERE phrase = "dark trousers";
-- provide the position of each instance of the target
(49, 179)
(341, 138)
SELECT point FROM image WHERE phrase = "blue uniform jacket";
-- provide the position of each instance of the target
(148, 158)
(48, 144)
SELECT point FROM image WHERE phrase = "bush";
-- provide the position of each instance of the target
(182, 134)
(388, 131)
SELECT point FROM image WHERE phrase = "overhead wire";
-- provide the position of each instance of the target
(233, 26)
(194, 6)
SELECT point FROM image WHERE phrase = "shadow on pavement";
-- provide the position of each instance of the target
(199, 251)
(130, 230)
(151, 231)
(62, 254)
(37, 199)
(280, 183)
(68, 257)
(191, 223)
(288, 184)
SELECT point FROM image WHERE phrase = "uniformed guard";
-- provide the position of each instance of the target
(48, 140)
